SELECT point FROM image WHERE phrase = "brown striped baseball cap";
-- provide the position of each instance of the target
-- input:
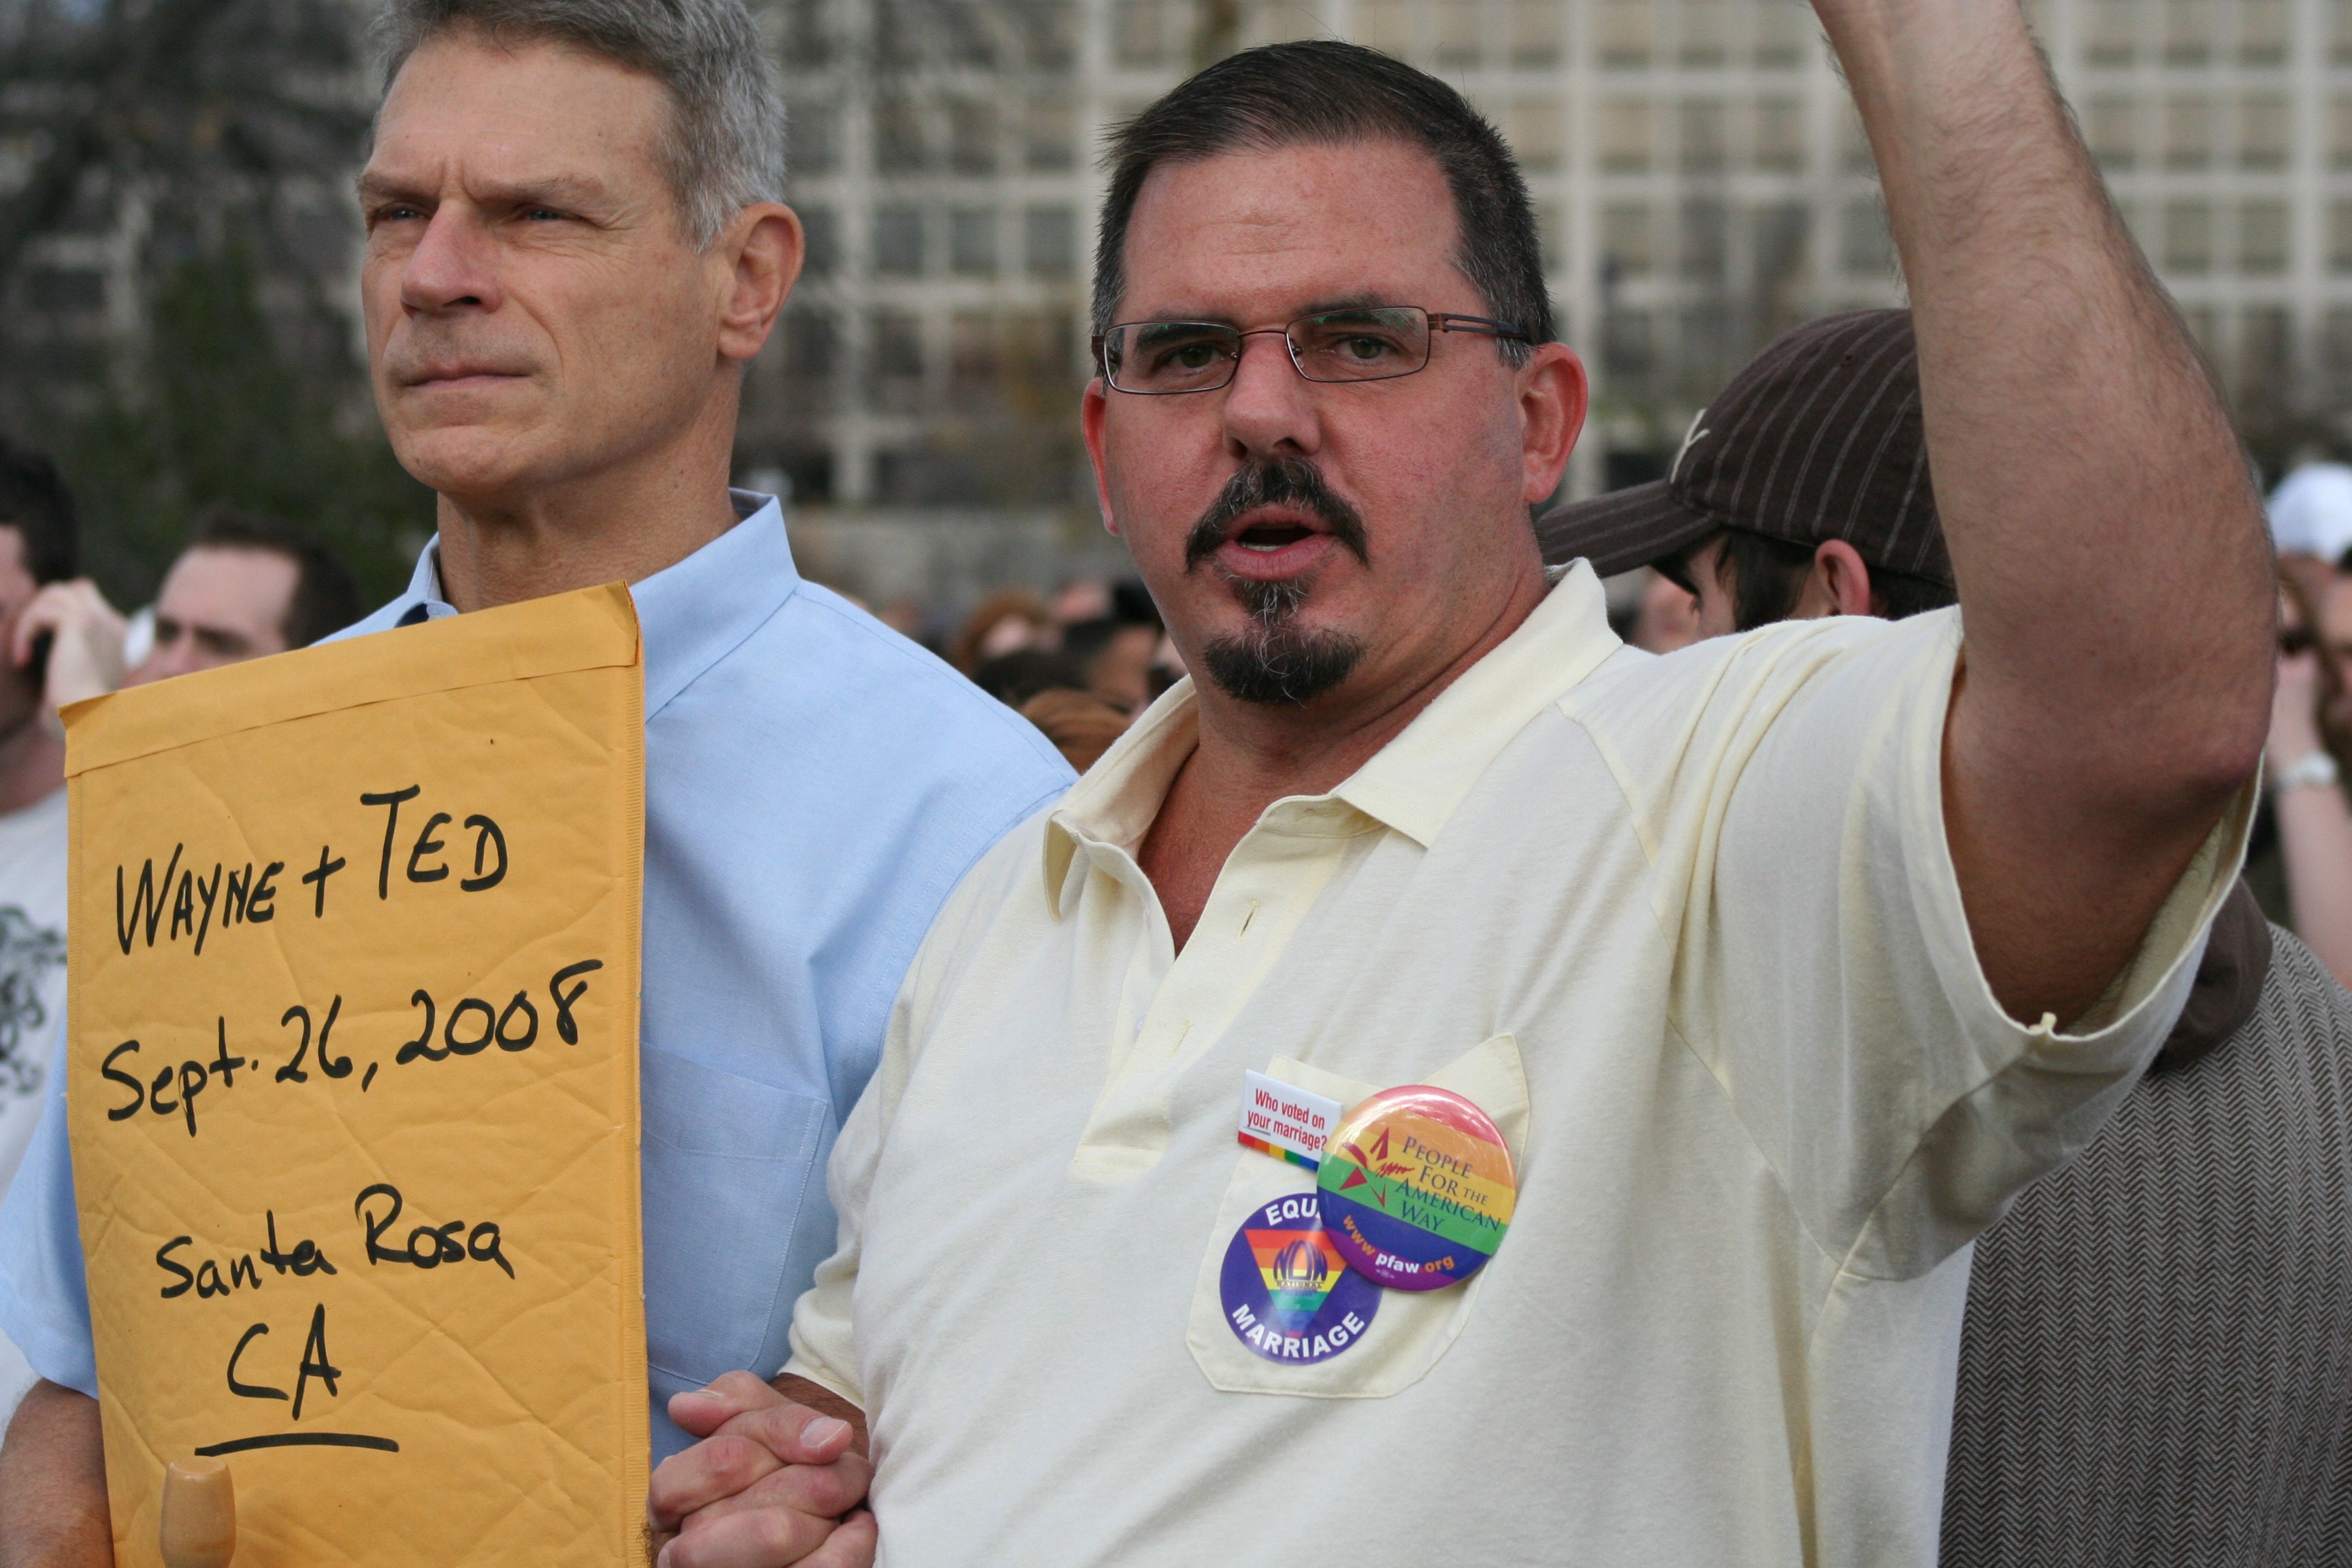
(1818, 437)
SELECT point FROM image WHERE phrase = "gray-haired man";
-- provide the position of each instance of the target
(574, 246)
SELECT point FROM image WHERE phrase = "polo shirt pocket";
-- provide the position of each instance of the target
(730, 1166)
(1412, 1328)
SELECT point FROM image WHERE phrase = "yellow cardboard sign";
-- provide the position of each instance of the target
(352, 1087)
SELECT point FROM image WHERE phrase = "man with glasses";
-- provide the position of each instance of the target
(1368, 342)
(1719, 999)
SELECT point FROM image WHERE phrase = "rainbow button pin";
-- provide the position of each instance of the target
(1416, 1188)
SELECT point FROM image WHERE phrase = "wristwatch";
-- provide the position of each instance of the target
(2311, 768)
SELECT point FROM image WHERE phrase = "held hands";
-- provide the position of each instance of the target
(85, 641)
(770, 1484)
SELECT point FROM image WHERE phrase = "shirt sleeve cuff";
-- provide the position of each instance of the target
(825, 1378)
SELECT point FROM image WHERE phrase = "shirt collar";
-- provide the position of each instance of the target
(692, 614)
(1412, 784)
(424, 601)
(696, 613)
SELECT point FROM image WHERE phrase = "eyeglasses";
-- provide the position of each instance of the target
(1372, 342)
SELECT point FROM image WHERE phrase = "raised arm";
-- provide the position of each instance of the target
(2114, 584)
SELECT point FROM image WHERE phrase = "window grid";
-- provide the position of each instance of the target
(1701, 181)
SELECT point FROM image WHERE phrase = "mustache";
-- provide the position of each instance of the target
(1282, 481)
(417, 351)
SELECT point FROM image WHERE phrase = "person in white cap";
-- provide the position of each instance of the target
(2311, 512)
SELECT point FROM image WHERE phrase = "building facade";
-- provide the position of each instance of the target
(1700, 174)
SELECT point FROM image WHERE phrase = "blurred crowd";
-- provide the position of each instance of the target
(243, 586)
(1080, 664)
(1083, 661)
(2300, 863)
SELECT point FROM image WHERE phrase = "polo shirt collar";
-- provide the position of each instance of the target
(692, 614)
(1412, 784)
(1114, 802)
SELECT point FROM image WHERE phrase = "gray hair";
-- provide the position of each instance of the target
(724, 149)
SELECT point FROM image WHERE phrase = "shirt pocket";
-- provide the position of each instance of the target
(734, 1225)
(1412, 1328)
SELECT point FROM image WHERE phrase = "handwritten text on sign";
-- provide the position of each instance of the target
(352, 1084)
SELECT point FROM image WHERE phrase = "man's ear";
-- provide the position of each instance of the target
(762, 252)
(1842, 578)
(1554, 397)
(1094, 408)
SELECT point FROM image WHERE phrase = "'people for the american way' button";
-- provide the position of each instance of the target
(1417, 1187)
(1288, 1295)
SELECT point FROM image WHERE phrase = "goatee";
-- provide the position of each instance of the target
(1277, 659)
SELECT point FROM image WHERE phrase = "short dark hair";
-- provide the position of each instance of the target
(1322, 90)
(34, 502)
(1012, 678)
(1086, 641)
(1768, 577)
(1131, 604)
(324, 599)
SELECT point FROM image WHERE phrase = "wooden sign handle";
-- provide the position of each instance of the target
(198, 1528)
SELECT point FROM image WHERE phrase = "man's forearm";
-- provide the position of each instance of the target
(53, 1484)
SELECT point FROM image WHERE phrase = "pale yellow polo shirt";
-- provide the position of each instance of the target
(1685, 927)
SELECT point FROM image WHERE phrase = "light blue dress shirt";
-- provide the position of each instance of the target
(815, 786)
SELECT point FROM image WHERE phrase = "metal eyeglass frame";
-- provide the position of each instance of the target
(1438, 321)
